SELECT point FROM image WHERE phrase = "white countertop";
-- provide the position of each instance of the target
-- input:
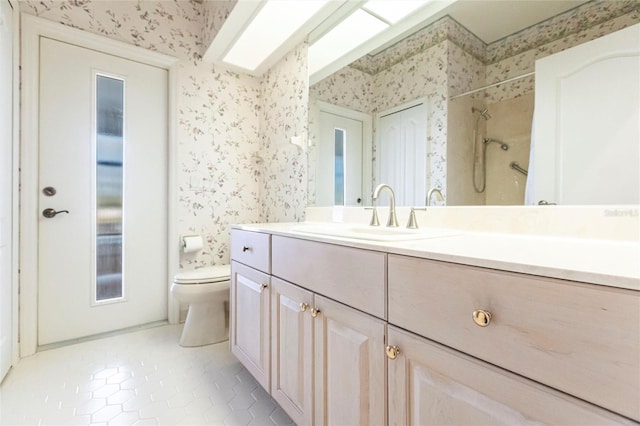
(606, 262)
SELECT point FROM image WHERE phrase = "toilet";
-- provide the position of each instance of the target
(206, 290)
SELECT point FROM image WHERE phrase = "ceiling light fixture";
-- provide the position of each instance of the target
(356, 29)
(393, 11)
(274, 24)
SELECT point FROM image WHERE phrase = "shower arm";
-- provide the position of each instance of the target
(515, 166)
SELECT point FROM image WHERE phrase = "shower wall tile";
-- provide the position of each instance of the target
(510, 123)
(219, 112)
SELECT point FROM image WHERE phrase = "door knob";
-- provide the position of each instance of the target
(49, 213)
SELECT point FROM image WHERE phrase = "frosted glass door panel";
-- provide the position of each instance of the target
(109, 172)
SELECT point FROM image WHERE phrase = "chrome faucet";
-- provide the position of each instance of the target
(393, 219)
(434, 191)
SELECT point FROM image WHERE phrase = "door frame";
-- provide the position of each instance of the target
(14, 197)
(367, 143)
(32, 29)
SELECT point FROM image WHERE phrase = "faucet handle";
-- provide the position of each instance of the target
(374, 217)
(413, 223)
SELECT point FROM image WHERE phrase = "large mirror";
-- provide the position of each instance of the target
(449, 106)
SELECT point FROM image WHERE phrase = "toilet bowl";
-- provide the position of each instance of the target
(206, 290)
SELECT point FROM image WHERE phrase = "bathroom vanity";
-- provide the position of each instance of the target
(346, 331)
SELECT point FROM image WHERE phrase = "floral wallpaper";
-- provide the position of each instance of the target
(285, 91)
(215, 13)
(444, 29)
(170, 27)
(231, 170)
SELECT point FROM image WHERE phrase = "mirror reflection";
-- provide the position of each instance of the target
(451, 106)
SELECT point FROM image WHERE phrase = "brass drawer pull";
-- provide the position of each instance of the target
(482, 317)
(303, 307)
(392, 352)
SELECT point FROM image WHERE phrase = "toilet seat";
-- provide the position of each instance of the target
(208, 275)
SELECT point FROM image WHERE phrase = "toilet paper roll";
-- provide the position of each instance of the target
(192, 243)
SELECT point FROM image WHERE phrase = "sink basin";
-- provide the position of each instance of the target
(371, 233)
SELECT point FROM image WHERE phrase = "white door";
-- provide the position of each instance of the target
(586, 145)
(340, 152)
(6, 186)
(103, 159)
(402, 154)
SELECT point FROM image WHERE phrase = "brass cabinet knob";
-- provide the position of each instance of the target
(315, 312)
(245, 248)
(392, 352)
(482, 317)
(303, 306)
(263, 287)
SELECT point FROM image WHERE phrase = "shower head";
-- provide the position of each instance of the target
(484, 113)
(503, 145)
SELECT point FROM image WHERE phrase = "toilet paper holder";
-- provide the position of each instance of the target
(191, 243)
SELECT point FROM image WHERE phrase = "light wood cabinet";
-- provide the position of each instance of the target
(581, 339)
(250, 337)
(352, 276)
(252, 249)
(430, 384)
(349, 366)
(322, 351)
(313, 323)
(291, 350)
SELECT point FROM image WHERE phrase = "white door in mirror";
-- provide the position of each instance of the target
(587, 123)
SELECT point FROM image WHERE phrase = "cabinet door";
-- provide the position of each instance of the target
(291, 349)
(250, 320)
(349, 366)
(430, 384)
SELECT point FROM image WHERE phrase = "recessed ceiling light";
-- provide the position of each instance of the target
(273, 25)
(393, 11)
(356, 29)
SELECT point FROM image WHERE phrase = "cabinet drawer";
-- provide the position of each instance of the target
(579, 338)
(352, 276)
(252, 249)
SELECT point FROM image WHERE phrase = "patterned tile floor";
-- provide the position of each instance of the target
(138, 378)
